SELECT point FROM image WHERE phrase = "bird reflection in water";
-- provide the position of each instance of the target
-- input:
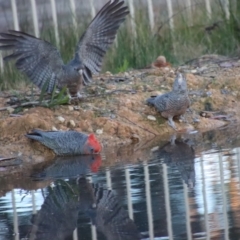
(69, 167)
(179, 153)
(59, 213)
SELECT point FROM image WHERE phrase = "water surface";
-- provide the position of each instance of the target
(186, 188)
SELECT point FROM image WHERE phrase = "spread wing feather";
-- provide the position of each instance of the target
(37, 58)
(99, 35)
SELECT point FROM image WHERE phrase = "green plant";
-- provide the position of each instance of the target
(188, 41)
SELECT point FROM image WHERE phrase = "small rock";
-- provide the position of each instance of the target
(70, 108)
(196, 120)
(10, 109)
(135, 138)
(54, 128)
(76, 108)
(126, 74)
(154, 149)
(108, 73)
(152, 118)
(25, 110)
(99, 131)
(61, 119)
(72, 123)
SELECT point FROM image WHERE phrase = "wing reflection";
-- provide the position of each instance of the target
(178, 153)
(59, 213)
(106, 212)
(69, 167)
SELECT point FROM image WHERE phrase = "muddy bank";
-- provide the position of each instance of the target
(148, 150)
(115, 109)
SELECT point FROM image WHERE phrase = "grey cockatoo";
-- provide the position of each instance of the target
(43, 64)
(174, 103)
(67, 143)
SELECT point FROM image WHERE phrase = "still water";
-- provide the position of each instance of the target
(183, 188)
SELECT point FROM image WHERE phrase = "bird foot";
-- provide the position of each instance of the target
(76, 99)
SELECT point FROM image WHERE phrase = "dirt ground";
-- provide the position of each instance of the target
(114, 108)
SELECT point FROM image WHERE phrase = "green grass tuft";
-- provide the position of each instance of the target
(206, 36)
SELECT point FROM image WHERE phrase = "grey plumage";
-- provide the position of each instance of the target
(68, 167)
(43, 64)
(174, 103)
(64, 143)
(102, 206)
(58, 215)
(179, 154)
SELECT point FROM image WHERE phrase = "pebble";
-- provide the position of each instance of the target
(10, 109)
(99, 131)
(54, 128)
(108, 73)
(70, 108)
(76, 108)
(126, 74)
(152, 118)
(72, 123)
(61, 119)
(154, 149)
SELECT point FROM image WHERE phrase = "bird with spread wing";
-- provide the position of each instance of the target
(42, 62)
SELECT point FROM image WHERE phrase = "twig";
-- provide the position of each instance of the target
(109, 93)
(138, 125)
(26, 104)
(37, 103)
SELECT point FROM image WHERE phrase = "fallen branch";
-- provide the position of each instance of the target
(138, 125)
(109, 93)
(26, 104)
(44, 103)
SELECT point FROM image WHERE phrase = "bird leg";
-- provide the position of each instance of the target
(172, 139)
(171, 123)
(76, 98)
(79, 95)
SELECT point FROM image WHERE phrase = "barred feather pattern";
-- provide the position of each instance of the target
(99, 35)
(174, 103)
(108, 215)
(42, 62)
(57, 217)
(38, 59)
(63, 143)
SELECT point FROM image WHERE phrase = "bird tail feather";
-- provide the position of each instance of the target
(151, 101)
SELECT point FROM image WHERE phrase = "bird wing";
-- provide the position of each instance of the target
(97, 38)
(162, 102)
(37, 58)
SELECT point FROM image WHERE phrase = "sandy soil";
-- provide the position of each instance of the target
(115, 109)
